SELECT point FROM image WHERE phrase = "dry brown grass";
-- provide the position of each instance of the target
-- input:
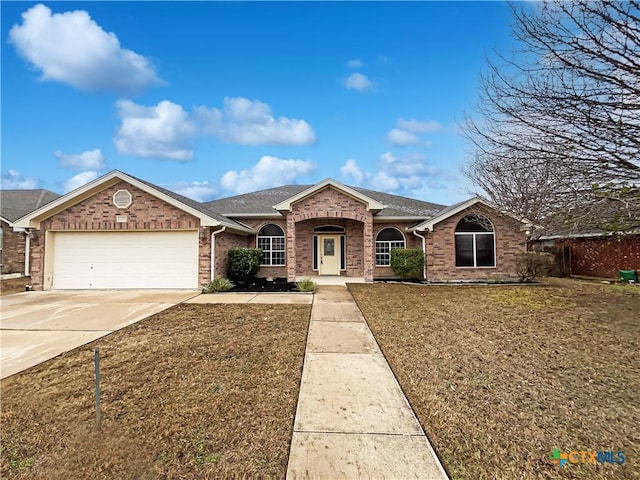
(13, 285)
(500, 376)
(197, 391)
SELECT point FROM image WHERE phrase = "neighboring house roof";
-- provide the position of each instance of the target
(459, 207)
(262, 202)
(205, 214)
(15, 204)
(591, 234)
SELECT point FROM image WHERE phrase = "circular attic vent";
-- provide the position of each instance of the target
(122, 199)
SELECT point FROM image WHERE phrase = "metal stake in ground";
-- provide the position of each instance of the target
(96, 370)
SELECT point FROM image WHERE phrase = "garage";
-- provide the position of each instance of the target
(123, 260)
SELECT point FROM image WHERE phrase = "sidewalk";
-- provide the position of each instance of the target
(352, 420)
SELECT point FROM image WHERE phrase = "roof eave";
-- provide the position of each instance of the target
(33, 219)
(428, 225)
(253, 215)
(399, 218)
(372, 205)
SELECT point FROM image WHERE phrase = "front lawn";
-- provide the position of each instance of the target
(500, 376)
(197, 391)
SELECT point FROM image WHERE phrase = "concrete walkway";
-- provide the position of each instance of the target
(353, 420)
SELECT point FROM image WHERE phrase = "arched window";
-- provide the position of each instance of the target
(271, 241)
(386, 240)
(475, 243)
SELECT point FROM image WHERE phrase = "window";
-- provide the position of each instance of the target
(387, 240)
(122, 199)
(271, 241)
(475, 245)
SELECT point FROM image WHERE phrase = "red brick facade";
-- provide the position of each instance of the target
(327, 206)
(410, 241)
(224, 242)
(13, 247)
(98, 213)
(510, 239)
(257, 224)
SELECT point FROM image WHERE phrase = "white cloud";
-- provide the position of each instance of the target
(268, 172)
(14, 180)
(351, 170)
(72, 48)
(417, 126)
(250, 122)
(403, 138)
(199, 191)
(87, 160)
(407, 132)
(359, 82)
(383, 59)
(161, 131)
(397, 174)
(355, 63)
(79, 180)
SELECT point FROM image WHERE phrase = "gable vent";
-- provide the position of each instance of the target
(122, 199)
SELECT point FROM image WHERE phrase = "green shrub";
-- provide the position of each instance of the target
(306, 285)
(219, 284)
(242, 264)
(532, 265)
(407, 263)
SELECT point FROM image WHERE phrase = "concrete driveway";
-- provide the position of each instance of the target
(37, 326)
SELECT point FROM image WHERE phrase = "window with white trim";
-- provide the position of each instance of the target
(386, 240)
(272, 242)
(475, 243)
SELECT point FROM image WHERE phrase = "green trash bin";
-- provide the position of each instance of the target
(628, 276)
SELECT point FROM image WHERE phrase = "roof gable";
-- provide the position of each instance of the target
(370, 203)
(448, 212)
(207, 218)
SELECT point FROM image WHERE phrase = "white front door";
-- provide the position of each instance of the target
(329, 253)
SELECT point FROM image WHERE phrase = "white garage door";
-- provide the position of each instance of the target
(115, 260)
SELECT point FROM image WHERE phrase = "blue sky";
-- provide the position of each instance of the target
(212, 99)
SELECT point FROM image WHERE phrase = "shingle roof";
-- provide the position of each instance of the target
(262, 202)
(397, 206)
(201, 207)
(15, 204)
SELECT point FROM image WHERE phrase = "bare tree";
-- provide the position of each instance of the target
(557, 138)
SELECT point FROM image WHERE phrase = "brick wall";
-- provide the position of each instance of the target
(13, 246)
(441, 258)
(353, 246)
(258, 223)
(225, 241)
(327, 204)
(603, 257)
(98, 213)
(410, 241)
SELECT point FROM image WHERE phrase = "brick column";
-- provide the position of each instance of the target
(291, 247)
(368, 247)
